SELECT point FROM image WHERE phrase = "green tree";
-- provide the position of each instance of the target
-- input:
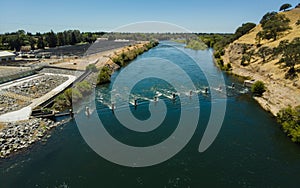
(258, 88)
(76, 95)
(88, 37)
(60, 102)
(84, 87)
(32, 42)
(60, 39)
(259, 36)
(72, 95)
(242, 30)
(263, 52)
(73, 39)
(40, 43)
(267, 17)
(273, 24)
(14, 42)
(51, 39)
(290, 55)
(68, 96)
(91, 67)
(290, 120)
(104, 75)
(285, 6)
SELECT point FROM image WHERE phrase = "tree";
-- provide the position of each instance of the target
(263, 52)
(104, 76)
(273, 24)
(40, 43)
(51, 39)
(259, 36)
(242, 30)
(268, 16)
(290, 120)
(60, 39)
(258, 88)
(32, 43)
(84, 87)
(245, 58)
(73, 39)
(91, 67)
(285, 6)
(88, 37)
(247, 55)
(290, 55)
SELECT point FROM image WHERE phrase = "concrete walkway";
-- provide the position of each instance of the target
(24, 113)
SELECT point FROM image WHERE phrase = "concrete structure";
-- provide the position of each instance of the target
(249, 83)
(24, 113)
(6, 56)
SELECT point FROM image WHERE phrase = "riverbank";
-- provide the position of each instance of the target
(16, 136)
(263, 60)
(280, 93)
(102, 71)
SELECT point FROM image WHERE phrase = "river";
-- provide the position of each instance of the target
(249, 151)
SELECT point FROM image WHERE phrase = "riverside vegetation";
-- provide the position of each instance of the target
(193, 43)
(289, 118)
(81, 89)
(269, 51)
(122, 60)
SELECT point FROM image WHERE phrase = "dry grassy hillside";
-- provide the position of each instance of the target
(293, 15)
(280, 92)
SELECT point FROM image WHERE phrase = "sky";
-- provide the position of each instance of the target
(216, 16)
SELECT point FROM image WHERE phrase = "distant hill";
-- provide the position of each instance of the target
(281, 92)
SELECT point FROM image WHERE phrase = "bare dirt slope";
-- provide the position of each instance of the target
(280, 92)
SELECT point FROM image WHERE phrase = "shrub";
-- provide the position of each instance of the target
(84, 87)
(71, 95)
(91, 67)
(258, 88)
(220, 62)
(104, 76)
(76, 95)
(217, 54)
(118, 60)
(290, 120)
(228, 66)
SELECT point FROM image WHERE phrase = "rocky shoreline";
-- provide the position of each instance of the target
(16, 136)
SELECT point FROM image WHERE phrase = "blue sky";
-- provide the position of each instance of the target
(106, 15)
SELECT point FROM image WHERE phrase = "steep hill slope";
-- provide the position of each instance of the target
(280, 92)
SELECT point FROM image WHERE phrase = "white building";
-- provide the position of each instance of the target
(6, 56)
